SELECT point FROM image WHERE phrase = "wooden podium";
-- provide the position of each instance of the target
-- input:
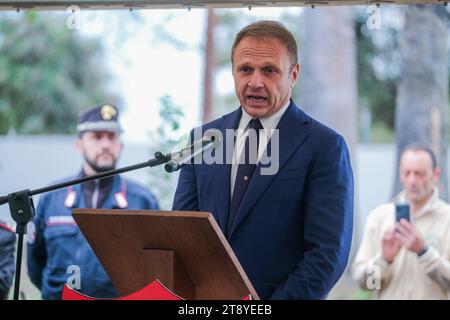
(185, 251)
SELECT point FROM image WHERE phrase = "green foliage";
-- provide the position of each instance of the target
(361, 294)
(380, 133)
(166, 138)
(378, 71)
(171, 114)
(47, 74)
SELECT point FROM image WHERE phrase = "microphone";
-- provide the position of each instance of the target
(179, 159)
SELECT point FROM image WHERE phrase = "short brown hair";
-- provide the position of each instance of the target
(264, 29)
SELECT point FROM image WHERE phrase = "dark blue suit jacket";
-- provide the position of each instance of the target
(292, 233)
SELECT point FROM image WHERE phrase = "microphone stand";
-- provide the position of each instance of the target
(22, 209)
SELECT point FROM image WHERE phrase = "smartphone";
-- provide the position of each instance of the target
(402, 212)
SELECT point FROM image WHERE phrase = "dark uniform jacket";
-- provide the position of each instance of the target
(58, 253)
(7, 264)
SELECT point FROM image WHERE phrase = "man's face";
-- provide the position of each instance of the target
(417, 175)
(100, 150)
(263, 77)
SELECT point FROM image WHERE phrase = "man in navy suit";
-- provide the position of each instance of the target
(290, 229)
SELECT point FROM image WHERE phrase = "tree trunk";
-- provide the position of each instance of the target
(422, 98)
(208, 78)
(328, 83)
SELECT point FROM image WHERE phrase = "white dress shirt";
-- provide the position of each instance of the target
(269, 124)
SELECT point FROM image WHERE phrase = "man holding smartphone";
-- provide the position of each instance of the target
(408, 258)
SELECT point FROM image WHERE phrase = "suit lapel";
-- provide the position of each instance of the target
(220, 174)
(292, 132)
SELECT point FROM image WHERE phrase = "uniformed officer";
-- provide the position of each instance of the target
(57, 251)
(7, 249)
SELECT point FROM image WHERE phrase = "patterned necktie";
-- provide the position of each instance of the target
(245, 171)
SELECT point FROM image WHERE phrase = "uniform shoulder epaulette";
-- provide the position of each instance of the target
(7, 226)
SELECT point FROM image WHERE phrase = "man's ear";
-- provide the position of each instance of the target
(79, 146)
(436, 174)
(294, 75)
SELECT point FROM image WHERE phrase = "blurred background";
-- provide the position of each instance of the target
(379, 75)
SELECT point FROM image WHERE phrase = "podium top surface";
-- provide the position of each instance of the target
(119, 238)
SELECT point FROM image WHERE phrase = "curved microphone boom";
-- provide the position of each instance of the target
(185, 156)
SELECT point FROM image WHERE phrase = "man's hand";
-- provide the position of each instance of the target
(390, 246)
(409, 236)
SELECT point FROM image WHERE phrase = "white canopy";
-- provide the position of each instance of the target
(155, 4)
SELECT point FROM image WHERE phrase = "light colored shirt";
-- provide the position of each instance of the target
(269, 125)
(409, 276)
